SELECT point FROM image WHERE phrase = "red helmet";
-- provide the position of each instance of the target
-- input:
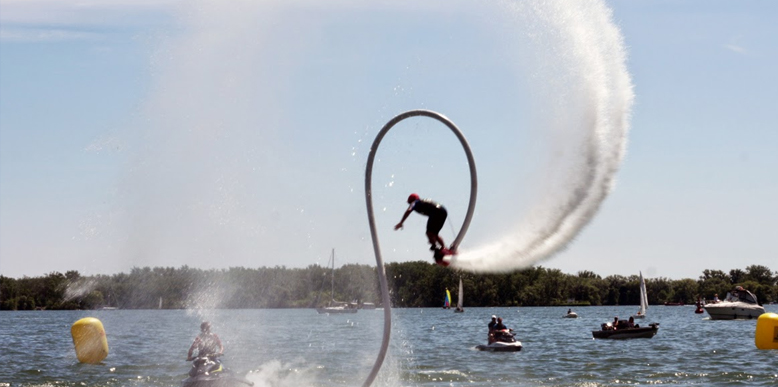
(414, 197)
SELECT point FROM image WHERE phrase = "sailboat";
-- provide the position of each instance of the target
(643, 299)
(447, 300)
(460, 304)
(335, 306)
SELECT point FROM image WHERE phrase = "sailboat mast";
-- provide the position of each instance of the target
(332, 277)
(460, 301)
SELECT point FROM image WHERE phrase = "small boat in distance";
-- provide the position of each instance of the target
(643, 299)
(335, 306)
(739, 304)
(460, 302)
(622, 331)
(447, 300)
(571, 314)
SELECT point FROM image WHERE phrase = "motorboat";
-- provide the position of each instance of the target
(504, 341)
(207, 371)
(739, 304)
(622, 331)
(571, 314)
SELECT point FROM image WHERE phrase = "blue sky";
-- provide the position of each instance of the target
(220, 134)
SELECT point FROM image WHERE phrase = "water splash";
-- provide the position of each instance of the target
(277, 374)
(79, 289)
(584, 95)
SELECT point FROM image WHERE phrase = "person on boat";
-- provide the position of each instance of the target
(500, 331)
(615, 322)
(716, 298)
(435, 213)
(500, 326)
(631, 322)
(206, 343)
(492, 324)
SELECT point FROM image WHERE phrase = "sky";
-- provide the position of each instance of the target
(220, 134)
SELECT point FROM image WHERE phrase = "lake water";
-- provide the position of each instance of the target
(429, 347)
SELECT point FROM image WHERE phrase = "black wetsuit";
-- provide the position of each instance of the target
(436, 213)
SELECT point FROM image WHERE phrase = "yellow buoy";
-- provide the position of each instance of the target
(89, 340)
(767, 331)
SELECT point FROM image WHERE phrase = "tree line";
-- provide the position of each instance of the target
(411, 284)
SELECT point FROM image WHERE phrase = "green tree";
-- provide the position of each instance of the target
(760, 274)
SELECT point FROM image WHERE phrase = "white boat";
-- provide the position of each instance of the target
(643, 299)
(499, 346)
(335, 307)
(571, 314)
(460, 302)
(739, 304)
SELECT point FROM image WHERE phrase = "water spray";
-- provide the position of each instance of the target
(374, 233)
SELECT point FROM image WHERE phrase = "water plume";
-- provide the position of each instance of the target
(584, 96)
(79, 288)
(277, 374)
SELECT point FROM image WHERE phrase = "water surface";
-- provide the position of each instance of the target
(430, 347)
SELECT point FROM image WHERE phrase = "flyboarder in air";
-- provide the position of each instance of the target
(437, 215)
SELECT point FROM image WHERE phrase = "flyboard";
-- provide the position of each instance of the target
(443, 256)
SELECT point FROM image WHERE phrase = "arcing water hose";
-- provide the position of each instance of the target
(374, 233)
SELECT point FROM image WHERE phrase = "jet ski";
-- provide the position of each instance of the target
(207, 371)
(504, 341)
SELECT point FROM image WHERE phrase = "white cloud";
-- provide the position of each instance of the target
(735, 48)
(44, 35)
(64, 20)
(79, 12)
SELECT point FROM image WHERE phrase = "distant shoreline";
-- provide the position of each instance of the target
(411, 284)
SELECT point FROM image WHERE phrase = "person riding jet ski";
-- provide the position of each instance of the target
(500, 332)
(206, 343)
(209, 347)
